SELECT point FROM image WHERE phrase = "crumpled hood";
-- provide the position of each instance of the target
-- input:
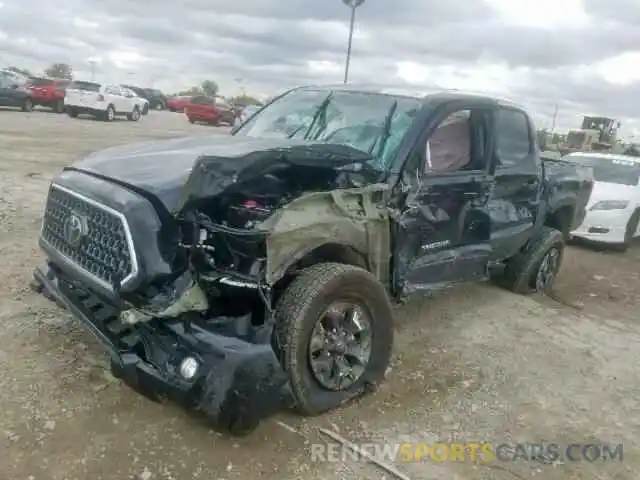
(180, 171)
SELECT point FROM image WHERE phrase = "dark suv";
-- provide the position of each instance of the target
(157, 99)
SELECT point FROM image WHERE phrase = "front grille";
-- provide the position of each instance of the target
(102, 249)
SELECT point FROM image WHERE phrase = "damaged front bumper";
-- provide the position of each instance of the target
(236, 383)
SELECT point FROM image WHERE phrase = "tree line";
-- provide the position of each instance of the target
(206, 87)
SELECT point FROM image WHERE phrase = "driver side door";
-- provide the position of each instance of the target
(443, 232)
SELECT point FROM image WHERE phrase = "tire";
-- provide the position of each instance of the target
(58, 107)
(135, 115)
(630, 230)
(145, 109)
(301, 307)
(522, 270)
(72, 112)
(110, 114)
(27, 106)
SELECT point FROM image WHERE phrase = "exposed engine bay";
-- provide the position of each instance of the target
(222, 250)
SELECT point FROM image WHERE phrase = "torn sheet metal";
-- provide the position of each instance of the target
(349, 217)
(184, 295)
(212, 175)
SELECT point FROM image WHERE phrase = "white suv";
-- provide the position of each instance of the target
(102, 101)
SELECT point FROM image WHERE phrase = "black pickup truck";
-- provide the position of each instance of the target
(242, 273)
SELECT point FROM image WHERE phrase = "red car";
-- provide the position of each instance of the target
(210, 110)
(178, 104)
(47, 92)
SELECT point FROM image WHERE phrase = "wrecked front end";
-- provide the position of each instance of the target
(182, 294)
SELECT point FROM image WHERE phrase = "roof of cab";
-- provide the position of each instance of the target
(414, 92)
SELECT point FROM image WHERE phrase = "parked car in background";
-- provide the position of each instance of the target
(245, 113)
(14, 94)
(613, 212)
(131, 94)
(178, 104)
(157, 99)
(102, 101)
(48, 92)
(209, 110)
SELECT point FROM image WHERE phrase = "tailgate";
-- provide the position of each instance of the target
(82, 93)
(79, 97)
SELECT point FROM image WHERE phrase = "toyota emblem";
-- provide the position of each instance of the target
(75, 228)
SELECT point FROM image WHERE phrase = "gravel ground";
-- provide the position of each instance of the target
(474, 364)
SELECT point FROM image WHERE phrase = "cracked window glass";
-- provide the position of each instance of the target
(371, 122)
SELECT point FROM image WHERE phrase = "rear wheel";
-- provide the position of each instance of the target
(535, 268)
(109, 114)
(334, 335)
(27, 105)
(58, 107)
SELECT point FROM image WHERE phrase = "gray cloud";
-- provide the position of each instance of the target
(268, 44)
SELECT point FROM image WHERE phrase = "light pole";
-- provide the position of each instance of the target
(92, 62)
(352, 4)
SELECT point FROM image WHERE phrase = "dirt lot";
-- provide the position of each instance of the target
(475, 364)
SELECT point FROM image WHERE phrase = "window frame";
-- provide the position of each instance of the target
(440, 115)
(527, 160)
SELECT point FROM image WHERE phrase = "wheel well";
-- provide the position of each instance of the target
(560, 219)
(329, 252)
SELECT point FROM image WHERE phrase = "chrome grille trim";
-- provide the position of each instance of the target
(127, 233)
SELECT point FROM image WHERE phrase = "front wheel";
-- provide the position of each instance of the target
(630, 231)
(110, 114)
(58, 107)
(334, 335)
(536, 267)
(27, 106)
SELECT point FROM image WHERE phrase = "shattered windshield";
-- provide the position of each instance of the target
(371, 122)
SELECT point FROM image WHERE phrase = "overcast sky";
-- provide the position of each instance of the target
(583, 55)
